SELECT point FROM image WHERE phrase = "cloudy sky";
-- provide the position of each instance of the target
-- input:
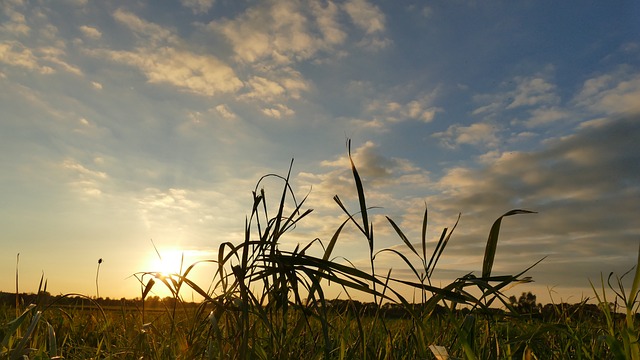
(124, 122)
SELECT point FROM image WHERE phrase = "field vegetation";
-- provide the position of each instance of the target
(268, 302)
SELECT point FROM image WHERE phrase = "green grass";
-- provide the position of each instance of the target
(268, 302)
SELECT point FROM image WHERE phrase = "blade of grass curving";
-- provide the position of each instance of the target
(424, 237)
(443, 293)
(148, 287)
(442, 244)
(12, 328)
(53, 347)
(631, 333)
(435, 251)
(332, 242)
(635, 286)
(404, 258)
(504, 281)
(492, 242)
(20, 350)
(283, 197)
(325, 257)
(17, 289)
(402, 236)
(360, 190)
(336, 198)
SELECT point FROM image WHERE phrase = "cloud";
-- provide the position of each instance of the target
(162, 60)
(327, 22)
(287, 32)
(55, 56)
(585, 187)
(282, 83)
(90, 32)
(371, 20)
(414, 110)
(386, 110)
(198, 6)
(480, 134)
(529, 93)
(87, 181)
(366, 16)
(198, 74)
(17, 23)
(378, 170)
(278, 111)
(545, 116)
(615, 93)
(225, 112)
(153, 34)
(280, 32)
(15, 54)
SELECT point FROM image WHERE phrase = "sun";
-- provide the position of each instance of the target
(168, 262)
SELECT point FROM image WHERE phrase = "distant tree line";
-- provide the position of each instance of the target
(525, 305)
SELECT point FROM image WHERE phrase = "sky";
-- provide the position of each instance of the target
(131, 126)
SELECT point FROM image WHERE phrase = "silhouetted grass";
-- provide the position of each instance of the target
(269, 303)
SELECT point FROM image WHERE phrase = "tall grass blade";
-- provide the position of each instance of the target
(424, 237)
(632, 335)
(11, 329)
(53, 346)
(431, 264)
(402, 236)
(492, 242)
(361, 197)
(442, 244)
(19, 351)
(148, 287)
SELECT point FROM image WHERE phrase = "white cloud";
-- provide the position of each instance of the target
(385, 110)
(531, 91)
(326, 18)
(198, 6)
(372, 164)
(225, 112)
(153, 34)
(278, 111)
(545, 116)
(199, 74)
(17, 24)
(54, 56)
(366, 16)
(611, 94)
(370, 19)
(481, 134)
(90, 32)
(262, 88)
(288, 83)
(15, 54)
(84, 180)
(163, 61)
(278, 31)
(283, 32)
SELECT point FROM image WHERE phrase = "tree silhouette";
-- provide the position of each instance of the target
(526, 303)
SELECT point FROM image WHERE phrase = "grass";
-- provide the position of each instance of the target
(267, 302)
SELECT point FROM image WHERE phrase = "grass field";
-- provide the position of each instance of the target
(269, 303)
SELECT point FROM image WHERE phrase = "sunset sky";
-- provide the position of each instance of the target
(124, 122)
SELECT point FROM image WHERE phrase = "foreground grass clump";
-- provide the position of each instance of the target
(268, 302)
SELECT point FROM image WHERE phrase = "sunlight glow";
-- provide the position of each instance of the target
(169, 262)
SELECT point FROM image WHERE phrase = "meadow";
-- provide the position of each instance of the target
(268, 302)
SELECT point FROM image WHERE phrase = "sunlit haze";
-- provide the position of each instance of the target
(135, 131)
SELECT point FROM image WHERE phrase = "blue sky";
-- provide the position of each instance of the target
(126, 121)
